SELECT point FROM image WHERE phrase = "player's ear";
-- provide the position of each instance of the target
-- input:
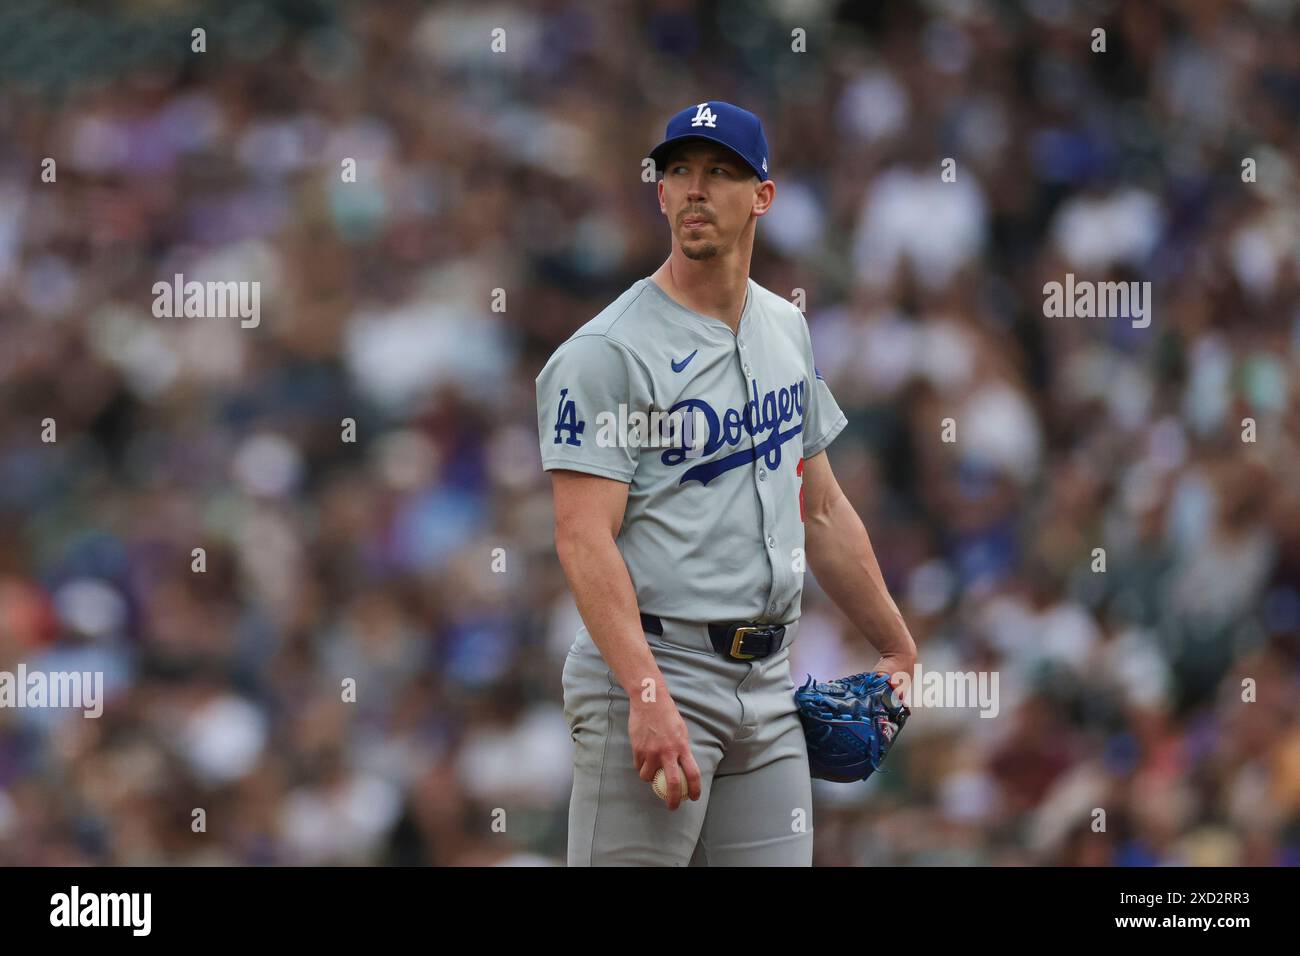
(660, 186)
(764, 194)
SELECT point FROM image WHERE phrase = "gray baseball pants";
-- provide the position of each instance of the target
(755, 808)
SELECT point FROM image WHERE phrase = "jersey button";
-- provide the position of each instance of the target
(771, 542)
(746, 369)
(762, 475)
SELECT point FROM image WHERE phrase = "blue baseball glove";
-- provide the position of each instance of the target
(850, 724)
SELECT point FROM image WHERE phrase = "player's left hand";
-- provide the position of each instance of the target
(895, 665)
(850, 724)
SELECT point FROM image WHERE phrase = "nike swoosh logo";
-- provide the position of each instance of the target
(678, 366)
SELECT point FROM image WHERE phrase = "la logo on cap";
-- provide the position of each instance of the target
(704, 117)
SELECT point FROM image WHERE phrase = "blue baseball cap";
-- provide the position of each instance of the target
(730, 126)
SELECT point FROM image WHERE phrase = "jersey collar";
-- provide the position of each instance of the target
(708, 320)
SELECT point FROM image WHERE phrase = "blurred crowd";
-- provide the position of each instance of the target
(367, 668)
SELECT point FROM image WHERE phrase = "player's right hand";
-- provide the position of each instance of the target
(660, 739)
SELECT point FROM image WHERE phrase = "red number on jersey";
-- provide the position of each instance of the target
(799, 474)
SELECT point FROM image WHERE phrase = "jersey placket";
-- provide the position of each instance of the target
(764, 481)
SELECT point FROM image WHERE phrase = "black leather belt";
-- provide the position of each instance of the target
(738, 640)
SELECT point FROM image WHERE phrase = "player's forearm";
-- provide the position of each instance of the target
(842, 559)
(606, 599)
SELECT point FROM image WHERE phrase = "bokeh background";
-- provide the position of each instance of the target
(521, 171)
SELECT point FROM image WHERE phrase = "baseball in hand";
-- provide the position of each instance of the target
(660, 784)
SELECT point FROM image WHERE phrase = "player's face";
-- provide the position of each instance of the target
(708, 195)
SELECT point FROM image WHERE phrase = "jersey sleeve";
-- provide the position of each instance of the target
(579, 396)
(822, 417)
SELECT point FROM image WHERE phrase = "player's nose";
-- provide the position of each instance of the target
(695, 191)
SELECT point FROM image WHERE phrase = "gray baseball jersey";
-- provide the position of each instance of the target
(711, 532)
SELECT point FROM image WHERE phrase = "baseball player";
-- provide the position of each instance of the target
(686, 561)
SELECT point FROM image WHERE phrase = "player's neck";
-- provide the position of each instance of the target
(714, 287)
